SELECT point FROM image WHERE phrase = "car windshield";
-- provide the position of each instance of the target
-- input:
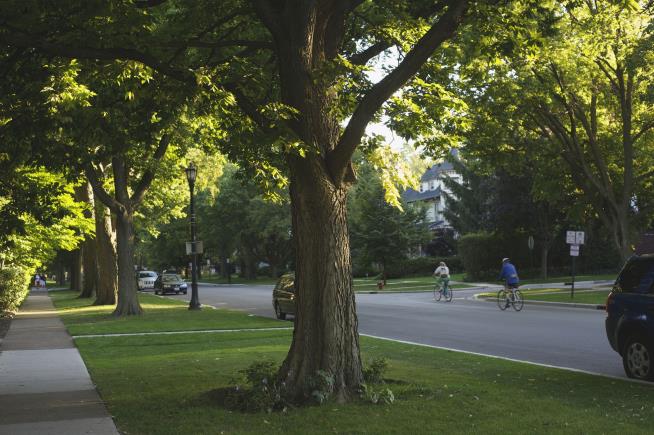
(172, 278)
(147, 275)
(286, 283)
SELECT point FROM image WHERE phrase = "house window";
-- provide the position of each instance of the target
(432, 185)
(424, 186)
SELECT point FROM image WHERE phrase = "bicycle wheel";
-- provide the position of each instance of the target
(448, 295)
(517, 300)
(437, 292)
(502, 300)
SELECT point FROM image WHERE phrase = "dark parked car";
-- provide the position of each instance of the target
(630, 317)
(284, 296)
(170, 283)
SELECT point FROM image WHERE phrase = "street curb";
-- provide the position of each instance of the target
(551, 304)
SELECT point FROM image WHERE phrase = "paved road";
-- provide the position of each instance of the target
(566, 337)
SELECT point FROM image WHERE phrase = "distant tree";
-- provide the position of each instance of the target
(382, 233)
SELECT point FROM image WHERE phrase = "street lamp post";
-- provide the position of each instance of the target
(191, 173)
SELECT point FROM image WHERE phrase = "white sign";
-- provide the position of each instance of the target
(574, 250)
(574, 237)
(579, 238)
(198, 247)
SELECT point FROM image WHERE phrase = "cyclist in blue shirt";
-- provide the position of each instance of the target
(509, 274)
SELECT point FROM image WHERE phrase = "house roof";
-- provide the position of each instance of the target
(411, 195)
(436, 170)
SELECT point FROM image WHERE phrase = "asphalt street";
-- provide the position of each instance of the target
(558, 336)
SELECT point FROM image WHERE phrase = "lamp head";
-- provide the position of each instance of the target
(191, 173)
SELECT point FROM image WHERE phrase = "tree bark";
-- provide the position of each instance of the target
(544, 252)
(107, 268)
(326, 333)
(76, 270)
(128, 303)
(89, 251)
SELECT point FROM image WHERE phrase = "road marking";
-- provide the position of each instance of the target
(204, 331)
(571, 369)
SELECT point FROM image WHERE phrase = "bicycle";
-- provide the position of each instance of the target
(439, 293)
(510, 296)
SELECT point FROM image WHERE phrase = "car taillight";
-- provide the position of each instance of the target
(609, 300)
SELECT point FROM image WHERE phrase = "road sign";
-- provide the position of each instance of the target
(574, 237)
(574, 250)
(198, 247)
(530, 242)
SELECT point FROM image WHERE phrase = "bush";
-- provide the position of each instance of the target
(14, 286)
(264, 392)
(374, 373)
(481, 253)
(422, 266)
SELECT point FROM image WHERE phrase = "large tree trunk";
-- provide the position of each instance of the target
(128, 303)
(89, 251)
(325, 336)
(106, 247)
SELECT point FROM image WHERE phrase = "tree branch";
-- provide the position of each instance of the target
(148, 176)
(339, 158)
(364, 56)
(142, 4)
(94, 178)
(112, 53)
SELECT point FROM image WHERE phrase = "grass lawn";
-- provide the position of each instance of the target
(597, 297)
(160, 314)
(408, 284)
(160, 384)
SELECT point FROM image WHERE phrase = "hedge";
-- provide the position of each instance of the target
(14, 286)
(481, 253)
(422, 266)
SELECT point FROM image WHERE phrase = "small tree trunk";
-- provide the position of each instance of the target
(107, 268)
(544, 252)
(128, 303)
(326, 334)
(76, 270)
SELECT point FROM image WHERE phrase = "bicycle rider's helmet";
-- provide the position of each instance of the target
(505, 259)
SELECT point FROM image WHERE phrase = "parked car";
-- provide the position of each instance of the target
(284, 296)
(145, 279)
(630, 317)
(170, 283)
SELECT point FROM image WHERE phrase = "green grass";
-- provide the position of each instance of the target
(408, 284)
(160, 314)
(568, 278)
(596, 297)
(160, 384)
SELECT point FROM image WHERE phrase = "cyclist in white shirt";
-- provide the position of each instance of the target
(442, 274)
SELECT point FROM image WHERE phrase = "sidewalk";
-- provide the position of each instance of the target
(44, 385)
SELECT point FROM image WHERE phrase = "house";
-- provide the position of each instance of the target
(430, 193)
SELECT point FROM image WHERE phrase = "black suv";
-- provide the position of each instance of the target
(284, 296)
(630, 317)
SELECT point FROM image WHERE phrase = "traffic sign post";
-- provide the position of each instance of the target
(575, 239)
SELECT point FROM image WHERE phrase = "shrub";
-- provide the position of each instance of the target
(481, 253)
(422, 266)
(382, 396)
(263, 392)
(374, 373)
(14, 286)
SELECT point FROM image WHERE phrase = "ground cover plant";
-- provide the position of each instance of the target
(165, 384)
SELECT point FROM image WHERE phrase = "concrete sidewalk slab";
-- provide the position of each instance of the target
(45, 387)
